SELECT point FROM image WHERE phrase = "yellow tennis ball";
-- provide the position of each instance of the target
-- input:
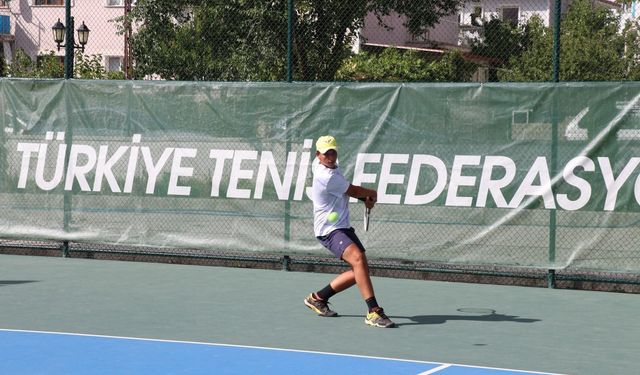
(332, 217)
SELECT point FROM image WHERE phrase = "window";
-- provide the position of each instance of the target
(113, 63)
(118, 3)
(48, 2)
(476, 16)
(511, 15)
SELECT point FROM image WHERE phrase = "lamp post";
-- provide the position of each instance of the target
(62, 32)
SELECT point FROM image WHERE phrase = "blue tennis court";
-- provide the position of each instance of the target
(30, 352)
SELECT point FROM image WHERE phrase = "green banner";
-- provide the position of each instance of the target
(466, 173)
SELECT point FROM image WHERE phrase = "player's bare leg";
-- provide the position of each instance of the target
(358, 261)
(360, 268)
(343, 281)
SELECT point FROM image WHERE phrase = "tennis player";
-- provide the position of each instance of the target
(330, 193)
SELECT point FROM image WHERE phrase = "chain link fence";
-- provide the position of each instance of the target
(320, 40)
(362, 41)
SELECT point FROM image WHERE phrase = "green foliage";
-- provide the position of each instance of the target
(392, 65)
(50, 66)
(3, 67)
(209, 40)
(501, 41)
(422, 14)
(247, 39)
(88, 67)
(591, 48)
(115, 74)
(533, 62)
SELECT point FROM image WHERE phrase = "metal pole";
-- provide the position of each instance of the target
(287, 146)
(551, 275)
(68, 74)
(68, 48)
(127, 41)
(67, 195)
(556, 41)
(290, 42)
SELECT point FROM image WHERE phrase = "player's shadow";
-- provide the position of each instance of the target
(16, 282)
(441, 319)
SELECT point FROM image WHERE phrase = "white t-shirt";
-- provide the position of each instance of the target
(328, 193)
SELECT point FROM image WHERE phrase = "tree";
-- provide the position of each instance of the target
(501, 41)
(247, 39)
(394, 66)
(209, 39)
(325, 29)
(591, 48)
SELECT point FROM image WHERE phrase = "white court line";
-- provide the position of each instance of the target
(268, 348)
(434, 370)
(215, 344)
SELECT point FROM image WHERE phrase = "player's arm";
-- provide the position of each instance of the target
(369, 196)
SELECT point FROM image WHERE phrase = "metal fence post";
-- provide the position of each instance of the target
(290, 41)
(551, 282)
(287, 148)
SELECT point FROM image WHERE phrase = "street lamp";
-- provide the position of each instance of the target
(83, 35)
(60, 31)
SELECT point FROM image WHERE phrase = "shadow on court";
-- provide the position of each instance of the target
(16, 282)
(441, 319)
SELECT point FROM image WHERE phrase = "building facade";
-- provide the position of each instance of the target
(27, 25)
(457, 30)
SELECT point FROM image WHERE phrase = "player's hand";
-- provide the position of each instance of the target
(370, 201)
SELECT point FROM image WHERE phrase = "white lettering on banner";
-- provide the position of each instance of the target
(177, 171)
(27, 149)
(103, 168)
(153, 170)
(41, 182)
(359, 176)
(636, 190)
(583, 185)
(237, 174)
(494, 187)
(305, 162)
(386, 177)
(539, 170)
(133, 163)
(220, 156)
(409, 179)
(614, 184)
(282, 187)
(78, 171)
(457, 180)
(441, 179)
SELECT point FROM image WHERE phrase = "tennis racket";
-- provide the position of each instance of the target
(367, 212)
